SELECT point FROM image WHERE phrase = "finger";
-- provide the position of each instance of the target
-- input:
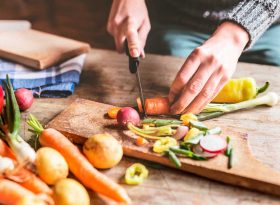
(184, 75)
(206, 94)
(119, 41)
(112, 23)
(143, 34)
(133, 39)
(193, 87)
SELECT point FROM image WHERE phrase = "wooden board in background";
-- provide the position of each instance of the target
(38, 49)
(84, 118)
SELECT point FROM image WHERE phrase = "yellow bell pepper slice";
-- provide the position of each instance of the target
(135, 174)
(187, 117)
(163, 144)
(192, 133)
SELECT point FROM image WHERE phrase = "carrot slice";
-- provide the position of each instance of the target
(113, 112)
(155, 106)
(140, 141)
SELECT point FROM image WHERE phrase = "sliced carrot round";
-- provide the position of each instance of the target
(112, 112)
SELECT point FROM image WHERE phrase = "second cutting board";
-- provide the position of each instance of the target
(37, 49)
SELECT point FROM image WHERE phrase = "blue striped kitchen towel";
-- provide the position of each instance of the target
(57, 81)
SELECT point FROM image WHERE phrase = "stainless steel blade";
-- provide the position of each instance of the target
(141, 91)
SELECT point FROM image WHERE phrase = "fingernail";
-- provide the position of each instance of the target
(134, 52)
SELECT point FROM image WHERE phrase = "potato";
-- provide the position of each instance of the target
(51, 165)
(70, 192)
(103, 151)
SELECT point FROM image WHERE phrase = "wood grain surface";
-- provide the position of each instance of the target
(106, 79)
(38, 49)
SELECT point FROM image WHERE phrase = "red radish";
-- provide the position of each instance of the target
(126, 115)
(213, 143)
(198, 150)
(181, 132)
(1, 99)
(24, 98)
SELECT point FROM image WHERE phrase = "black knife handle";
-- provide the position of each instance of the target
(133, 62)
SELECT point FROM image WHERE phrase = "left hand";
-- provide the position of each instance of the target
(207, 69)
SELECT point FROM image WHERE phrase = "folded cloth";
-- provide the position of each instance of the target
(56, 81)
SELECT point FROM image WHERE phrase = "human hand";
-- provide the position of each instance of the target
(129, 20)
(207, 69)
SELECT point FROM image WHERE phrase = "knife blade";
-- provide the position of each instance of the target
(134, 69)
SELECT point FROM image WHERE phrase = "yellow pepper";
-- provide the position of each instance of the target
(192, 133)
(187, 117)
(135, 174)
(163, 144)
(238, 90)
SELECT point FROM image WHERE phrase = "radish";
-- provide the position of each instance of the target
(213, 143)
(1, 99)
(181, 132)
(24, 98)
(198, 150)
(126, 115)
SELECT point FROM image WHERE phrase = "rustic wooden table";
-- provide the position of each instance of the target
(106, 79)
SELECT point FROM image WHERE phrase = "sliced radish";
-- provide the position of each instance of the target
(213, 143)
(181, 132)
(198, 150)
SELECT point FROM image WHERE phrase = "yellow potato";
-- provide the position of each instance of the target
(51, 165)
(103, 151)
(70, 192)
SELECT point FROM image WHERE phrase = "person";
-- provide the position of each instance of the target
(245, 30)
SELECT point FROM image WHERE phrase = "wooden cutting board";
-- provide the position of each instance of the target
(84, 118)
(38, 49)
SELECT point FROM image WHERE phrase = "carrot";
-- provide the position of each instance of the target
(78, 163)
(140, 141)
(5, 151)
(11, 193)
(23, 176)
(112, 112)
(155, 106)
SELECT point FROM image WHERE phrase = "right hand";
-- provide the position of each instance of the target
(129, 20)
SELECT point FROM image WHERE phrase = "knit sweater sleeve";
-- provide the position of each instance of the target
(255, 16)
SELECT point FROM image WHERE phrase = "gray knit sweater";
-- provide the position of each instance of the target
(253, 15)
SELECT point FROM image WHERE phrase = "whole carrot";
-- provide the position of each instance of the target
(11, 193)
(78, 163)
(23, 176)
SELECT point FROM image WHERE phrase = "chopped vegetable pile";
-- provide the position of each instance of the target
(175, 140)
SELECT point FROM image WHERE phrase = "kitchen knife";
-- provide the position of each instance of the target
(134, 69)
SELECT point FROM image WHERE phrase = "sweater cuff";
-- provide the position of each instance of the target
(255, 16)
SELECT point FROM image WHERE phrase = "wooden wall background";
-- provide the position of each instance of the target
(83, 20)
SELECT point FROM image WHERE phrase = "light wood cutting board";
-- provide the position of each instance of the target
(38, 49)
(84, 118)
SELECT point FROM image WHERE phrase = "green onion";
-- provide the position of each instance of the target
(270, 99)
(10, 125)
(161, 122)
(198, 125)
(187, 153)
(173, 158)
(214, 131)
(230, 161)
(229, 152)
